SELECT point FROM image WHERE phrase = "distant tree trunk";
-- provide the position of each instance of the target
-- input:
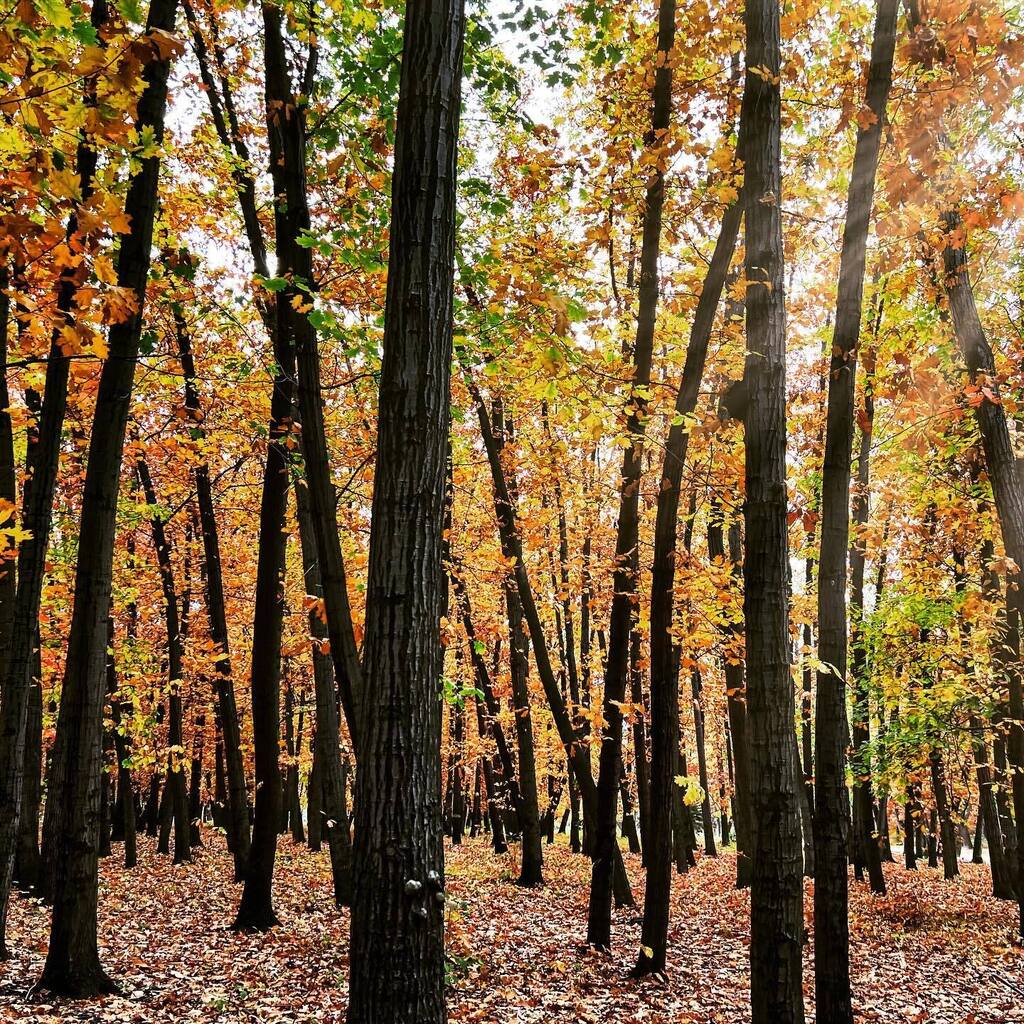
(314, 804)
(26, 863)
(776, 926)
(944, 816)
(72, 962)
(624, 585)
(512, 549)
(397, 932)
(702, 763)
(236, 793)
(863, 793)
(531, 872)
(45, 436)
(122, 752)
(329, 799)
(736, 706)
(831, 911)
(458, 782)
(177, 784)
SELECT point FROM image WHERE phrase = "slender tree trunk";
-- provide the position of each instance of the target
(863, 793)
(329, 801)
(70, 826)
(177, 785)
(776, 898)
(125, 792)
(624, 586)
(1000, 464)
(531, 872)
(831, 914)
(512, 549)
(397, 933)
(237, 802)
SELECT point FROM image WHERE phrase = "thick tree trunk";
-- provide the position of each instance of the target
(397, 934)
(71, 821)
(831, 825)
(776, 897)
(37, 506)
(624, 582)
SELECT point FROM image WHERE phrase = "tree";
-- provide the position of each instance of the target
(397, 912)
(776, 890)
(831, 804)
(71, 824)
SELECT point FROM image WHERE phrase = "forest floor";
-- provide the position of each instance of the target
(929, 952)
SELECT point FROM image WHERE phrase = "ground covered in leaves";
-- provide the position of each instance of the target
(930, 952)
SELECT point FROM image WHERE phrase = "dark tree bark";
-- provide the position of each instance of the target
(72, 812)
(125, 792)
(863, 793)
(177, 784)
(624, 585)
(1007, 491)
(736, 707)
(831, 912)
(237, 800)
(18, 705)
(256, 910)
(532, 868)
(397, 934)
(776, 897)
(328, 801)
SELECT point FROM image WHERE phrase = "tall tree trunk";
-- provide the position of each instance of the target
(71, 820)
(37, 506)
(1006, 489)
(776, 897)
(863, 793)
(624, 585)
(397, 933)
(237, 822)
(831, 911)
(256, 910)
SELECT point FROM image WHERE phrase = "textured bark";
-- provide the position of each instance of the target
(831, 825)
(397, 934)
(256, 909)
(37, 504)
(1007, 491)
(71, 822)
(237, 800)
(776, 897)
(624, 579)
(329, 802)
